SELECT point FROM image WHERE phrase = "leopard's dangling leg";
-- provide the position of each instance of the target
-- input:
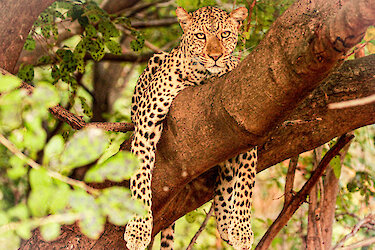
(138, 230)
(222, 199)
(239, 231)
(167, 238)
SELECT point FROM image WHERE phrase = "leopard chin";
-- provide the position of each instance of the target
(215, 69)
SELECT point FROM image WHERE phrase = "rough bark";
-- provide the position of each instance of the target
(12, 34)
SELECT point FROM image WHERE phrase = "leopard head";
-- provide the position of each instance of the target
(210, 35)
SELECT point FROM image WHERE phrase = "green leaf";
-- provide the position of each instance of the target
(90, 31)
(80, 50)
(117, 168)
(34, 140)
(29, 43)
(86, 108)
(50, 231)
(26, 73)
(114, 47)
(123, 20)
(18, 169)
(3, 218)
(108, 30)
(42, 190)
(86, 146)
(113, 148)
(60, 199)
(92, 221)
(9, 240)
(117, 204)
(191, 217)
(24, 230)
(45, 95)
(39, 179)
(45, 60)
(336, 165)
(139, 41)
(53, 150)
(8, 83)
(19, 212)
(95, 48)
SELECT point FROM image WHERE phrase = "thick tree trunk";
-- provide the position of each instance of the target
(213, 122)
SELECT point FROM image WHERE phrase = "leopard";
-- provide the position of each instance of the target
(206, 47)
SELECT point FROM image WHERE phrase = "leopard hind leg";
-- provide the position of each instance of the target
(239, 231)
(167, 238)
(222, 198)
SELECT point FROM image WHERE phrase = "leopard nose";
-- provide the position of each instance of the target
(215, 57)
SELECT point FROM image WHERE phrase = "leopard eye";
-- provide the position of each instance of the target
(225, 34)
(200, 35)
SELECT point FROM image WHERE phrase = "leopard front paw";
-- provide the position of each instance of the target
(241, 237)
(138, 233)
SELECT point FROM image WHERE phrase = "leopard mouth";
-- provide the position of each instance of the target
(215, 69)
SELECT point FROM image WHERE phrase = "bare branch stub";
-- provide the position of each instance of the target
(289, 182)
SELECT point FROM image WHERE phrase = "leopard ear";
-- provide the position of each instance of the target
(184, 17)
(239, 15)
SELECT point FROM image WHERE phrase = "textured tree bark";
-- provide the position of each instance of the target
(215, 121)
(17, 18)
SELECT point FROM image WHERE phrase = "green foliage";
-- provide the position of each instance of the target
(84, 147)
(26, 73)
(29, 43)
(114, 168)
(139, 41)
(50, 200)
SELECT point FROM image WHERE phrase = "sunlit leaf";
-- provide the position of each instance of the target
(8, 83)
(117, 168)
(117, 204)
(50, 231)
(53, 150)
(86, 146)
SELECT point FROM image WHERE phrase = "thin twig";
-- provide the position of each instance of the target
(369, 219)
(57, 218)
(52, 174)
(301, 196)
(359, 244)
(192, 242)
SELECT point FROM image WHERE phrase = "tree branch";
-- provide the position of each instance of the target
(301, 196)
(154, 23)
(201, 228)
(75, 121)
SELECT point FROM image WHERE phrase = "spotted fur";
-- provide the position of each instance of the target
(210, 36)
